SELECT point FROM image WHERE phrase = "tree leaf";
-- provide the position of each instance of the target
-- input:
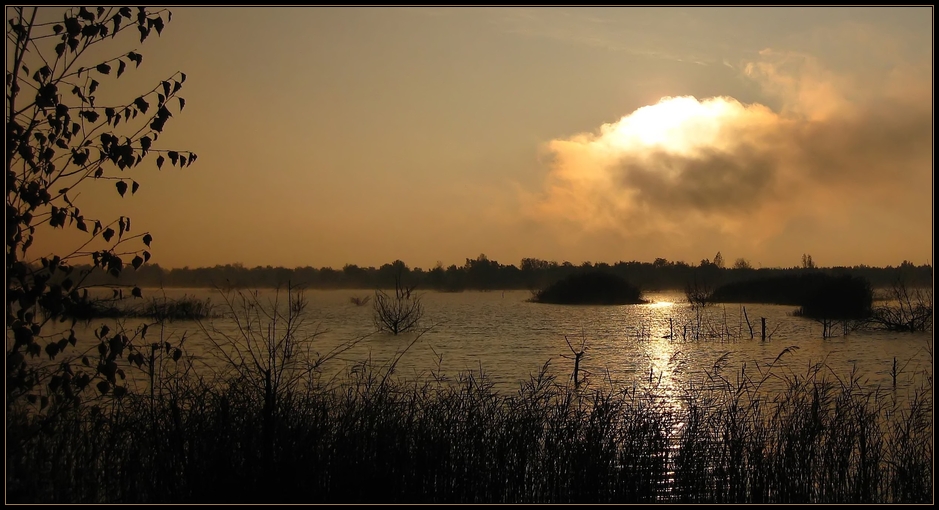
(72, 26)
(120, 67)
(108, 234)
(85, 14)
(121, 187)
(182, 104)
(160, 161)
(141, 104)
(103, 68)
(146, 240)
(133, 187)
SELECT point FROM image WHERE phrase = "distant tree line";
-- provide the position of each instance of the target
(482, 273)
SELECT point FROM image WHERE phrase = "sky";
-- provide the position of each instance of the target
(333, 136)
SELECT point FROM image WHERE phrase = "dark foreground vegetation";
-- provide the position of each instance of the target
(590, 288)
(372, 438)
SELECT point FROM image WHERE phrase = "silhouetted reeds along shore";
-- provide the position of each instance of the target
(183, 308)
(371, 437)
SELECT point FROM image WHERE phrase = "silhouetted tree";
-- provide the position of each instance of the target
(719, 260)
(60, 140)
(807, 262)
(742, 263)
(401, 312)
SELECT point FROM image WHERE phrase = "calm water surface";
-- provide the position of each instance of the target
(509, 339)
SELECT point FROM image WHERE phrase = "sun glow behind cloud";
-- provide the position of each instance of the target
(688, 171)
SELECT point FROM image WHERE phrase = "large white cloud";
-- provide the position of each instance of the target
(841, 146)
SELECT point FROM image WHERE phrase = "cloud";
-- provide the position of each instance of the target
(684, 170)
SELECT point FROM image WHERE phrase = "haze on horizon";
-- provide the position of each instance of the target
(329, 136)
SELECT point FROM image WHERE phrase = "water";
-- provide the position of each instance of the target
(666, 343)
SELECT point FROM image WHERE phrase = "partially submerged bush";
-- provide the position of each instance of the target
(399, 313)
(592, 288)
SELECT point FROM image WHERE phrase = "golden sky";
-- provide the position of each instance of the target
(328, 136)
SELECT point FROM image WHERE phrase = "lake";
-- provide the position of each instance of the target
(666, 344)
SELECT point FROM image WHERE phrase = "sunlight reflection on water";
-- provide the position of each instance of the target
(664, 345)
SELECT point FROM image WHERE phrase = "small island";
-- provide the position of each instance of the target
(590, 288)
(818, 295)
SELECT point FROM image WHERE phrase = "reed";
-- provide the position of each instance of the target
(264, 433)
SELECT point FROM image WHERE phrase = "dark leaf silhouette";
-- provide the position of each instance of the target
(141, 104)
(121, 187)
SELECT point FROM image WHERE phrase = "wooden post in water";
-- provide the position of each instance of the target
(763, 328)
(894, 372)
(749, 326)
